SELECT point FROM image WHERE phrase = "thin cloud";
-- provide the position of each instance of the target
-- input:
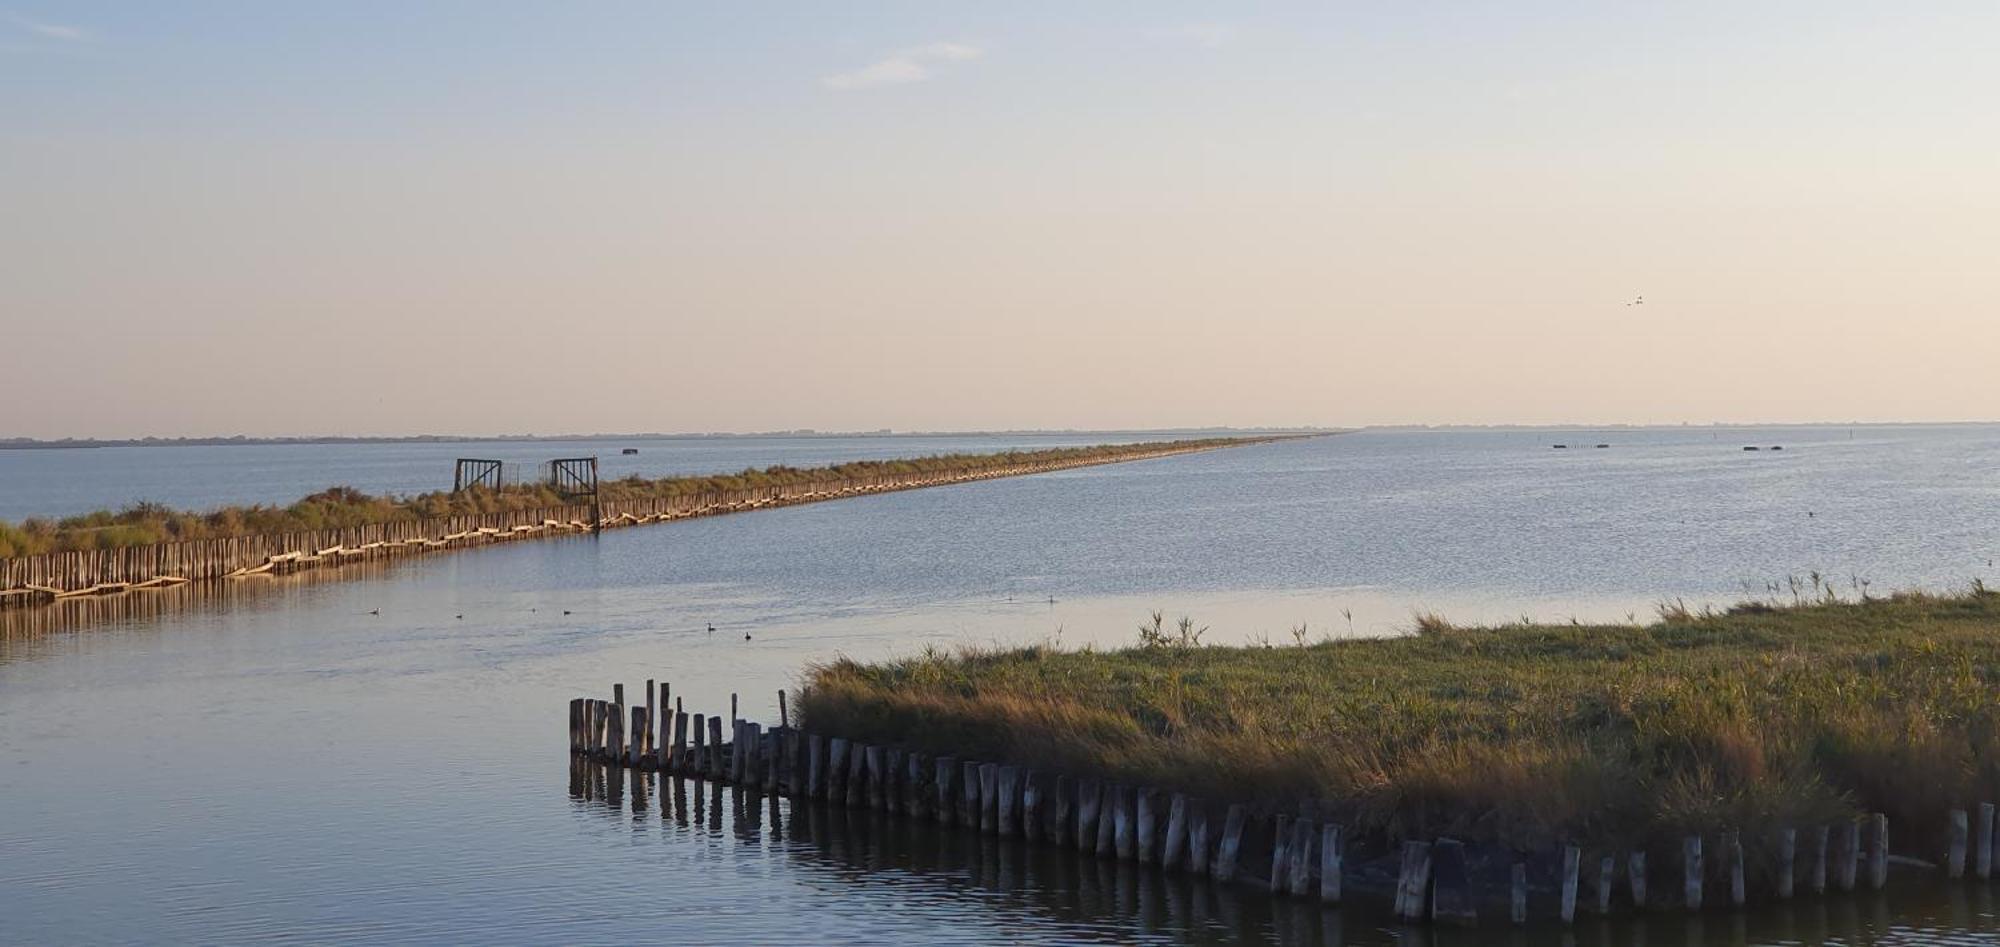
(910, 65)
(68, 34)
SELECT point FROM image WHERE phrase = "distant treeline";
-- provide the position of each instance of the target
(340, 507)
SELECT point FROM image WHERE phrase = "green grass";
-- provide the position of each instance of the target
(340, 507)
(1608, 736)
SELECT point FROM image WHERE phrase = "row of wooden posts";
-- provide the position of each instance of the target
(40, 579)
(1177, 832)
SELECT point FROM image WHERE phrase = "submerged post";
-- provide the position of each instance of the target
(1413, 884)
(1982, 864)
(1691, 871)
(1955, 855)
(1635, 877)
(1230, 846)
(1788, 840)
(1330, 864)
(1519, 899)
(1572, 862)
(1878, 850)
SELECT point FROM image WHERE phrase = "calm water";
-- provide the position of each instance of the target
(286, 766)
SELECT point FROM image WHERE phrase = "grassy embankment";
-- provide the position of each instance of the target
(340, 507)
(1607, 736)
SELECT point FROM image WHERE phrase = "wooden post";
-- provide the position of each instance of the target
(1229, 847)
(917, 792)
(618, 694)
(989, 798)
(784, 715)
(1607, 871)
(1064, 812)
(1331, 863)
(1788, 847)
(876, 760)
(1846, 855)
(1572, 863)
(1032, 816)
(857, 775)
(1816, 878)
(1519, 899)
(1413, 884)
(1691, 871)
(947, 789)
(1281, 846)
(616, 748)
(1198, 839)
(1635, 878)
(1006, 817)
(577, 724)
(1878, 850)
(698, 763)
(816, 766)
(770, 747)
(716, 759)
(1304, 833)
(1089, 797)
(1734, 849)
(837, 751)
(1982, 843)
(1145, 825)
(733, 715)
(1174, 852)
(1452, 899)
(1123, 838)
(968, 798)
(1955, 855)
(637, 751)
(648, 726)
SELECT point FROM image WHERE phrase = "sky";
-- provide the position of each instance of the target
(493, 217)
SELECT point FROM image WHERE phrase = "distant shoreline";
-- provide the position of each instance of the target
(30, 443)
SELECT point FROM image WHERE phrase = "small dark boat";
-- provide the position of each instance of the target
(1752, 448)
(1777, 447)
(1561, 447)
(629, 450)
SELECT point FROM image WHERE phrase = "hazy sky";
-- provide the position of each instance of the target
(498, 217)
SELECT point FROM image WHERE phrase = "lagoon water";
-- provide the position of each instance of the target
(275, 762)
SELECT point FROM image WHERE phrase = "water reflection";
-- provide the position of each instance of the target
(1012, 887)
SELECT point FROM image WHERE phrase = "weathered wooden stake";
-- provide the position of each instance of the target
(857, 775)
(1816, 875)
(618, 694)
(715, 757)
(1107, 820)
(615, 749)
(1089, 799)
(1330, 863)
(1304, 834)
(1846, 855)
(698, 763)
(1734, 849)
(1572, 864)
(1607, 870)
(1145, 831)
(1452, 899)
(1198, 839)
(1064, 811)
(784, 715)
(1006, 816)
(1635, 878)
(1788, 847)
(1229, 848)
(1413, 884)
(1123, 836)
(917, 791)
(989, 798)
(575, 724)
(1281, 845)
(1519, 899)
(1691, 872)
(877, 763)
(636, 753)
(837, 751)
(947, 789)
(968, 797)
(1878, 850)
(1954, 860)
(1032, 816)
(1174, 853)
(733, 715)
(1982, 843)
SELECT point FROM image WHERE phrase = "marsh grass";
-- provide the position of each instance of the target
(340, 507)
(1606, 735)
